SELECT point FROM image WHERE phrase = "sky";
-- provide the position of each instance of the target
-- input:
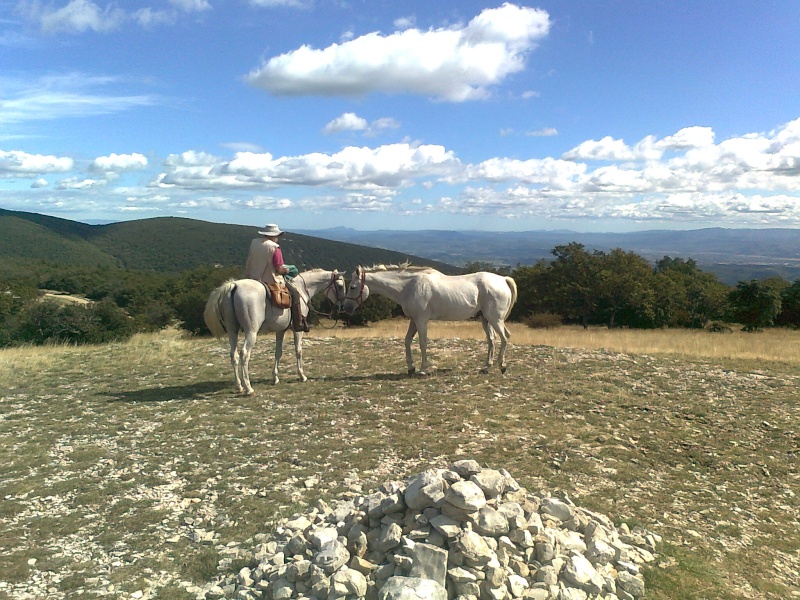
(587, 115)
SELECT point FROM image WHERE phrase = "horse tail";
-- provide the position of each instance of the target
(213, 313)
(512, 285)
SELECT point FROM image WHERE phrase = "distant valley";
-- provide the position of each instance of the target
(732, 254)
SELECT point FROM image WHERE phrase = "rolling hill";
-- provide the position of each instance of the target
(172, 244)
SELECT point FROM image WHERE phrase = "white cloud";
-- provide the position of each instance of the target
(686, 138)
(352, 122)
(747, 180)
(148, 17)
(77, 16)
(404, 22)
(357, 168)
(543, 132)
(454, 64)
(76, 183)
(116, 163)
(80, 16)
(59, 96)
(607, 149)
(21, 164)
(346, 122)
(191, 5)
(548, 171)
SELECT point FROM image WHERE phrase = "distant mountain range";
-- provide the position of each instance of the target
(732, 254)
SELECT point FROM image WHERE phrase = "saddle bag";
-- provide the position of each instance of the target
(280, 295)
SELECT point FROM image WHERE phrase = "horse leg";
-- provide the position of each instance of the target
(233, 338)
(422, 327)
(298, 354)
(412, 331)
(504, 334)
(489, 342)
(247, 349)
(278, 353)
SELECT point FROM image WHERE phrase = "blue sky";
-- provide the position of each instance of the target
(563, 114)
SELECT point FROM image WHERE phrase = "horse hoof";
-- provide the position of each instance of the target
(412, 370)
(503, 370)
(250, 393)
(484, 371)
(303, 379)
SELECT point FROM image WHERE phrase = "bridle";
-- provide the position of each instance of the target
(331, 284)
(360, 298)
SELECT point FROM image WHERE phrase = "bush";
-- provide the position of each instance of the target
(543, 321)
(376, 308)
(48, 322)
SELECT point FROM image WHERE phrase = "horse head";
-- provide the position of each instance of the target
(336, 290)
(357, 291)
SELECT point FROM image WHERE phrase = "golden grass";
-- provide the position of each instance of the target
(781, 345)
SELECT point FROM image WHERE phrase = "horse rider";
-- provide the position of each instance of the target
(265, 264)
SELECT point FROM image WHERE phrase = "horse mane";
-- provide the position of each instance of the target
(404, 267)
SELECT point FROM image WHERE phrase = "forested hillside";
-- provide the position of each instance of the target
(171, 244)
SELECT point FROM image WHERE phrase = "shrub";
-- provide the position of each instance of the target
(48, 322)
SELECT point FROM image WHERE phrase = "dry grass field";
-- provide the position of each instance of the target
(133, 470)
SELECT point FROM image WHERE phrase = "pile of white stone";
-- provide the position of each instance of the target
(466, 532)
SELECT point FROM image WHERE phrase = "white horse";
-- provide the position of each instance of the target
(244, 304)
(426, 295)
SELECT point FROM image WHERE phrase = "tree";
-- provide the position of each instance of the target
(687, 296)
(754, 304)
(625, 289)
(790, 306)
(574, 282)
(533, 283)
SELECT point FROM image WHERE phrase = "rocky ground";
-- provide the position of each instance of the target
(136, 473)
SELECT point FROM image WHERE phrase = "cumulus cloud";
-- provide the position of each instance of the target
(749, 180)
(686, 177)
(547, 171)
(346, 122)
(607, 149)
(117, 163)
(454, 64)
(21, 164)
(76, 183)
(362, 168)
(352, 122)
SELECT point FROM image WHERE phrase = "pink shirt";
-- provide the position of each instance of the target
(277, 259)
